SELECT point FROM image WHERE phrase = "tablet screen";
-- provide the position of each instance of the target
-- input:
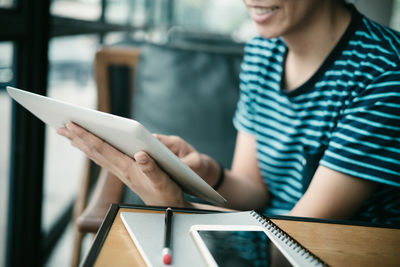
(236, 248)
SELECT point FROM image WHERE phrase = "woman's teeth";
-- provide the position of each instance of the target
(263, 10)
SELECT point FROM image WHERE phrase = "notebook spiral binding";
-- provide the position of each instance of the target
(285, 237)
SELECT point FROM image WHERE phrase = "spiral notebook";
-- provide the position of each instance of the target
(147, 232)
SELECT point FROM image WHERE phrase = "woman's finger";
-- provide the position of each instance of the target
(63, 131)
(176, 144)
(171, 142)
(193, 160)
(166, 189)
(150, 168)
(96, 149)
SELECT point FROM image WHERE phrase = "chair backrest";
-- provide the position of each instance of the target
(114, 71)
(190, 89)
(107, 96)
(114, 93)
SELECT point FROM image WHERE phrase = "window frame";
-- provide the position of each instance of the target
(32, 28)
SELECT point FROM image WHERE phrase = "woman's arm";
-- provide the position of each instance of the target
(141, 174)
(333, 195)
(244, 186)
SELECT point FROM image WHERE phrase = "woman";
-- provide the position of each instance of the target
(318, 121)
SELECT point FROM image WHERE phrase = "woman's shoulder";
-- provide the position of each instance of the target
(378, 42)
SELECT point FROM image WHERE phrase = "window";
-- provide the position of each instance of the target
(6, 78)
(395, 20)
(71, 80)
(77, 9)
(223, 16)
(126, 12)
(6, 64)
(7, 3)
(75, 25)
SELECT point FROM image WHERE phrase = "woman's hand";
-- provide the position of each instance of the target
(140, 173)
(203, 165)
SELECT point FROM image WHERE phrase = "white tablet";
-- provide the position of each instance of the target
(127, 135)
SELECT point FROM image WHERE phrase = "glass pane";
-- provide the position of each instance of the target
(6, 59)
(219, 17)
(70, 79)
(395, 21)
(114, 38)
(122, 38)
(223, 16)
(126, 12)
(77, 9)
(7, 3)
(6, 74)
(379, 11)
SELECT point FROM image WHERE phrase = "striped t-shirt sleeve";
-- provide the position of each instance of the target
(366, 141)
(244, 115)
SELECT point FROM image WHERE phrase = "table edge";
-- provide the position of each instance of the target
(105, 227)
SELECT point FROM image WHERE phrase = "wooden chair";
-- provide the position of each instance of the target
(88, 215)
(168, 76)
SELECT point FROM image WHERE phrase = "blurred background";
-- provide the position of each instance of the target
(48, 47)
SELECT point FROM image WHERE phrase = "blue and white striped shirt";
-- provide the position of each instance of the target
(345, 117)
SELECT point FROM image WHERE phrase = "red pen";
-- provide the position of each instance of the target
(167, 252)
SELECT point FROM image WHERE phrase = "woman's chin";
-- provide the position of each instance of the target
(268, 33)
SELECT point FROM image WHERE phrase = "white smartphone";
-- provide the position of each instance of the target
(225, 245)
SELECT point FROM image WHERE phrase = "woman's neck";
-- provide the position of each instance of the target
(312, 41)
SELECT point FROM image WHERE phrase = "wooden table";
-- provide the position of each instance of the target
(336, 243)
